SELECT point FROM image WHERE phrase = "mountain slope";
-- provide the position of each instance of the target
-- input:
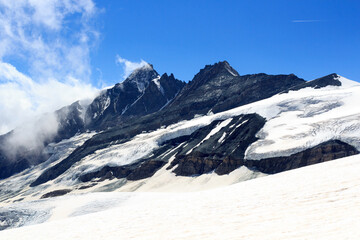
(291, 129)
(216, 88)
(143, 92)
(159, 92)
(129, 98)
(24, 146)
(296, 125)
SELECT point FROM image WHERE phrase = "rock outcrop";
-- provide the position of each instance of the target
(323, 152)
(56, 193)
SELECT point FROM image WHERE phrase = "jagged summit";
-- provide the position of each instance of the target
(211, 71)
(219, 87)
(143, 92)
(160, 91)
(140, 77)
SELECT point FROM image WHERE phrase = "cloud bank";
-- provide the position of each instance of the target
(44, 57)
(22, 99)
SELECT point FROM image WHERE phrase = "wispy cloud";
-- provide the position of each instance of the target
(22, 99)
(44, 56)
(52, 38)
(128, 66)
(306, 21)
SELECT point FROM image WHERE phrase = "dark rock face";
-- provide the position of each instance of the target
(14, 162)
(145, 170)
(159, 92)
(56, 193)
(327, 151)
(11, 167)
(52, 173)
(223, 152)
(106, 173)
(142, 93)
(70, 121)
(219, 87)
(112, 103)
(131, 172)
(329, 80)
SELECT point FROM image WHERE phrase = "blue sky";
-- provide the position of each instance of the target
(308, 38)
(54, 52)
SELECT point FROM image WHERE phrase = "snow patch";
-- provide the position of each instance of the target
(158, 85)
(221, 140)
(230, 71)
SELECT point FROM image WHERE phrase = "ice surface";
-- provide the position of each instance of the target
(316, 202)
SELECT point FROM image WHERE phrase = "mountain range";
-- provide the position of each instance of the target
(152, 132)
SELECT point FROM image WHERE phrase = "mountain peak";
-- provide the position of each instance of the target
(219, 69)
(141, 77)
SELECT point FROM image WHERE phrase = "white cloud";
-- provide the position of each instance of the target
(128, 66)
(45, 35)
(50, 41)
(23, 100)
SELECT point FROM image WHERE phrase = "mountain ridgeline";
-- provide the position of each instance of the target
(146, 101)
(142, 93)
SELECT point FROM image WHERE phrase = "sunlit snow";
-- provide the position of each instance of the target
(316, 202)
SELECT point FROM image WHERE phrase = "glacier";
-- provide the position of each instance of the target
(316, 202)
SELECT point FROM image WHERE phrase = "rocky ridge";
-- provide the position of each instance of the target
(146, 101)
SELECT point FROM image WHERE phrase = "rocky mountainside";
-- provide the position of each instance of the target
(143, 92)
(215, 88)
(151, 130)
(219, 87)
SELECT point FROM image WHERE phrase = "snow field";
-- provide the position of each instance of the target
(316, 202)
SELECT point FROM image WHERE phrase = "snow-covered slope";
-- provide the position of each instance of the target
(16, 188)
(316, 202)
(305, 118)
(295, 121)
